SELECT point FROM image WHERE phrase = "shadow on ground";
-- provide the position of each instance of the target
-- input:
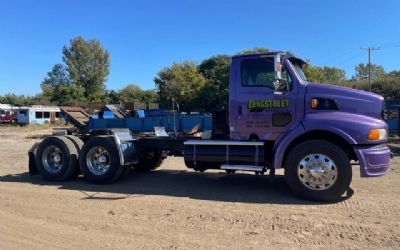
(213, 186)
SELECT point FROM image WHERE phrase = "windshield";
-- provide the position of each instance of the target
(300, 73)
(299, 65)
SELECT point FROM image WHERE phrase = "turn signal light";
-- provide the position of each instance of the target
(314, 103)
(377, 134)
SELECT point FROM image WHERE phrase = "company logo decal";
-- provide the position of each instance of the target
(268, 104)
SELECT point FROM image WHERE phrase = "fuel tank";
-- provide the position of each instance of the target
(211, 154)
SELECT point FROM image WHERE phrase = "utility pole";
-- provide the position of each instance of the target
(369, 64)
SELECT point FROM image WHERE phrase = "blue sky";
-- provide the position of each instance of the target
(145, 36)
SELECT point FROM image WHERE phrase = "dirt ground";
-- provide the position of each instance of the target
(176, 208)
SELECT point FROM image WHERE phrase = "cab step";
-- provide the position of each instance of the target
(243, 167)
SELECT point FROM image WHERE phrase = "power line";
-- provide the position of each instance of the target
(348, 59)
(338, 58)
(369, 64)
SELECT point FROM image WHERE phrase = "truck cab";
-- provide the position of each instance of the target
(278, 119)
(264, 96)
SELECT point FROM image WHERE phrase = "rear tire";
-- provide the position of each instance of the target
(149, 161)
(56, 159)
(318, 170)
(99, 160)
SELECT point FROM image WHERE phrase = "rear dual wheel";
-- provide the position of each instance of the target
(99, 160)
(57, 159)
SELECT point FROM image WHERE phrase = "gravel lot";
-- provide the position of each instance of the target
(176, 208)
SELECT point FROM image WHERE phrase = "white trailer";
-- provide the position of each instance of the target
(38, 115)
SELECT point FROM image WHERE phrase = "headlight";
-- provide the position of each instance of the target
(377, 134)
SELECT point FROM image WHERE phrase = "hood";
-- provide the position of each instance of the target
(348, 99)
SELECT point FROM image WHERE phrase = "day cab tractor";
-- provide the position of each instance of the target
(276, 119)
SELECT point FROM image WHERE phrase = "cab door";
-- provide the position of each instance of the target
(258, 111)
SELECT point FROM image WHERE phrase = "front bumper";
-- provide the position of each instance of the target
(374, 160)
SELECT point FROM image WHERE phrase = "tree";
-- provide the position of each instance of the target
(214, 94)
(150, 95)
(395, 74)
(131, 93)
(69, 95)
(325, 74)
(313, 73)
(88, 65)
(58, 75)
(17, 100)
(361, 74)
(253, 51)
(58, 89)
(333, 75)
(112, 97)
(181, 81)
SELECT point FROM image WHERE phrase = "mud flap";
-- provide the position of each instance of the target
(32, 162)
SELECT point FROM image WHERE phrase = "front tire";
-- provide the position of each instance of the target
(99, 160)
(318, 170)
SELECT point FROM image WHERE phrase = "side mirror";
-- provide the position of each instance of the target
(281, 84)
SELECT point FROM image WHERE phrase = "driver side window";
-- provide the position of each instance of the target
(259, 72)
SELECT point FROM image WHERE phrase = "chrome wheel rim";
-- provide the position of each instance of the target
(98, 160)
(52, 159)
(317, 172)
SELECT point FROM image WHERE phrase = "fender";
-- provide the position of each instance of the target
(352, 128)
(283, 143)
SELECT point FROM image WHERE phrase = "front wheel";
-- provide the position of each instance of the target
(318, 170)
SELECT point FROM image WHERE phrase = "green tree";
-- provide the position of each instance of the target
(88, 65)
(313, 73)
(325, 74)
(395, 74)
(58, 75)
(17, 100)
(41, 99)
(183, 82)
(254, 50)
(214, 94)
(133, 92)
(69, 95)
(58, 89)
(130, 93)
(112, 97)
(333, 75)
(361, 74)
(150, 95)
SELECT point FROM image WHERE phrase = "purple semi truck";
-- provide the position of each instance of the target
(276, 119)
